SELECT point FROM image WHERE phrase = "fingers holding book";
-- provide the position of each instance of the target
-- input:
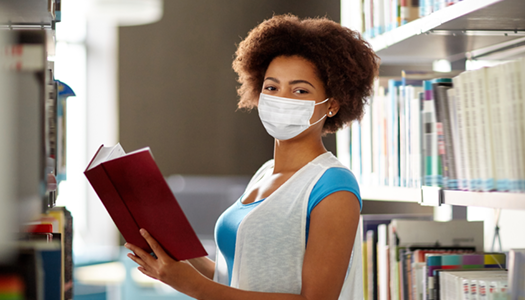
(159, 265)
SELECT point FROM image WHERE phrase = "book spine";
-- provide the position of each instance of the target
(463, 125)
(515, 90)
(455, 114)
(367, 16)
(371, 240)
(455, 144)
(387, 14)
(393, 133)
(472, 125)
(497, 131)
(506, 118)
(356, 150)
(520, 74)
(402, 137)
(393, 259)
(376, 131)
(433, 263)
(483, 132)
(378, 19)
(449, 161)
(366, 147)
(382, 262)
(517, 273)
(421, 139)
(430, 137)
(439, 96)
(396, 15)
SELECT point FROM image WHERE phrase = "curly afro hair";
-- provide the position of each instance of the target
(345, 62)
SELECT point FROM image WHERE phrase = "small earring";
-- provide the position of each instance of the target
(330, 113)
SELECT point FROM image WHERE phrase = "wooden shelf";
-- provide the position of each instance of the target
(383, 193)
(27, 13)
(454, 32)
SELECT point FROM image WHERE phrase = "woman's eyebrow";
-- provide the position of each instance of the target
(301, 81)
(290, 82)
(272, 79)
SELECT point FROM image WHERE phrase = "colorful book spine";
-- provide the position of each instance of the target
(439, 97)
(473, 261)
(495, 260)
(430, 138)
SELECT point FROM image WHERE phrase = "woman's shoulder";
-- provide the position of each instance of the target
(334, 179)
(339, 176)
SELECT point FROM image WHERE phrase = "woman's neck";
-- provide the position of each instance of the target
(290, 156)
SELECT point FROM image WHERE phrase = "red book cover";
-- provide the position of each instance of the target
(136, 195)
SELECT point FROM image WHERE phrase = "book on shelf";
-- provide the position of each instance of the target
(407, 233)
(443, 124)
(65, 231)
(369, 225)
(458, 261)
(467, 134)
(517, 273)
(408, 11)
(511, 75)
(473, 284)
(381, 16)
(485, 157)
(34, 272)
(136, 195)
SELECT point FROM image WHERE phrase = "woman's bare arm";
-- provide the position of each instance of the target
(204, 265)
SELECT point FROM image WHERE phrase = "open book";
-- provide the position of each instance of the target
(136, 195)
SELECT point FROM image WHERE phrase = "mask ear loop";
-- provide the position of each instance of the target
(318, 120)
(324, 114)
(323, 101)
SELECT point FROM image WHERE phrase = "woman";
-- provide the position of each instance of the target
(292, 234)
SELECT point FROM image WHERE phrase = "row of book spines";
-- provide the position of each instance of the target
(479, 184)
(405, 12)
(453, 260)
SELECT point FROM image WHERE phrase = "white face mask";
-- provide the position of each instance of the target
(285, 118)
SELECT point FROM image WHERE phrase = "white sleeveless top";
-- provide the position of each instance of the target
(271, 239)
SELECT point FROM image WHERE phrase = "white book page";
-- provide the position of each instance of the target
(105, 154)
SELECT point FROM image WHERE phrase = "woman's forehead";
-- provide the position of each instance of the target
(289, 68)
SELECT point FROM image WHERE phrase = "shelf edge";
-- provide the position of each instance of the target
(395, 194)
(485, 199)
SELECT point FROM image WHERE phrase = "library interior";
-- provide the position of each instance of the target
(114, 111)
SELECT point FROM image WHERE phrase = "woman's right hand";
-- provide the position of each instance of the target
(180, 275)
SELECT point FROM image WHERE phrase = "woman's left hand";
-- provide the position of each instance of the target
(180, 275)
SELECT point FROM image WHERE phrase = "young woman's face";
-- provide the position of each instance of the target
(295, 77)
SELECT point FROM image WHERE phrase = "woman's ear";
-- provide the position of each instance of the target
(333, 107)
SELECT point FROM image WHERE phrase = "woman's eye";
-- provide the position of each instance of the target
(301, 91)
(270, 88)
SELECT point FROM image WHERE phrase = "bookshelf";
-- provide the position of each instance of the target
(469, 29)
(32, 101)
(29, 13)
(398, 194)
